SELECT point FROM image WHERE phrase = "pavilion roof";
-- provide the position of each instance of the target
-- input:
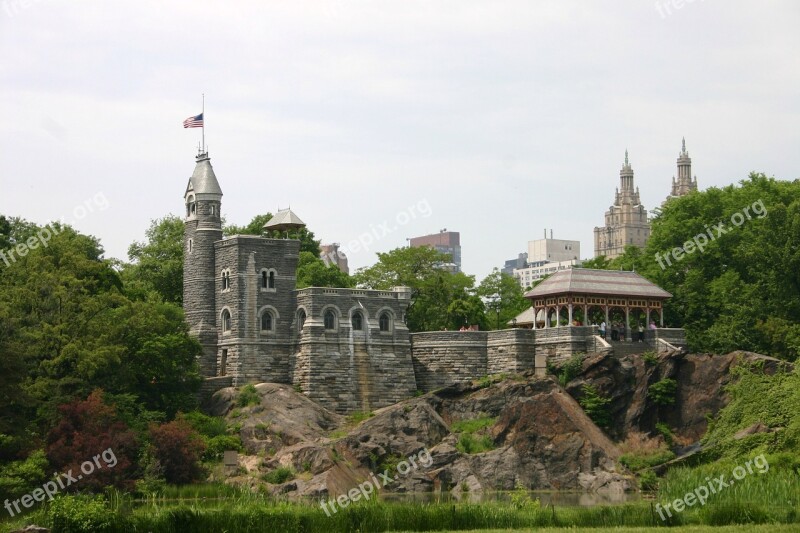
(597, 282)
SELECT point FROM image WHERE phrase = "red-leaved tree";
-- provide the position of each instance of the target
(91, 441)
(178, 448)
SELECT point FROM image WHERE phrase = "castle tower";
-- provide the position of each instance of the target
(626, 220)
(203, 199)
(684, 184)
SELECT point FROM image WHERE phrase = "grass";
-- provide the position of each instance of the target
(469, 443)
(471, 426)
(636, 461)
(358, 417)
(248, 395)
(279, 475)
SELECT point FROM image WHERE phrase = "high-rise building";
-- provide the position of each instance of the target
(626, 221)
(446, 242)
(684, 184)
(332, 255)
(553, 250)
(520, 262)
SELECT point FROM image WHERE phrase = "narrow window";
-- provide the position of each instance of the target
(191, 243)
(330, 320)
(272, 279)
(301, 320)
(383, 322)
(223, 363)
(263, 279)
(358, 321)
(226, 320)
(266, 321)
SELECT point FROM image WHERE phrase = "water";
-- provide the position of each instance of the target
(555, 497)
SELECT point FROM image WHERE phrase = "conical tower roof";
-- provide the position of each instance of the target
(203, 180)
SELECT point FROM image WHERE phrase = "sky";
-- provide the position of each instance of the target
(383, 120)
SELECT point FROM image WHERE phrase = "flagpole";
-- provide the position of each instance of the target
(204, 122)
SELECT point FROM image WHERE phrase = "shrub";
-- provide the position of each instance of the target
(216, 446)
(76, 514)
(641, 461)
(178, 448)
(663, 392)
(648, 481)
(468, 443)
(570, 369)
(650, 358)
(666, 432)
(210, 426)
(20, 477)
(596, 406)
(357, 418)
(279, 475)
(85, 429)
(248, 395)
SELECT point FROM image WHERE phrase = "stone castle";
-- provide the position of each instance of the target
(626, 221)
(347, 349)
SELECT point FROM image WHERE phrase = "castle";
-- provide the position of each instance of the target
(347, 349)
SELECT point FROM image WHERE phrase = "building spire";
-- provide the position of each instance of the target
(626, 157)
(683, 144)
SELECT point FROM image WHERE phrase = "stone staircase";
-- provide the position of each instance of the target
(628, 348)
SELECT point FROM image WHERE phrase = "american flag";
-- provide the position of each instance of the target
(194, 122)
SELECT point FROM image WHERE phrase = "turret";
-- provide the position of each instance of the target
(203, 227)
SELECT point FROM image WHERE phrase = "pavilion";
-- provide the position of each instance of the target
(582, 290)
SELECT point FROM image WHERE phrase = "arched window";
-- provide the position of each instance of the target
(194, 208)
(383, 321)
(263, 279)
(271, 280)
(267, 322)
(226, 280)
(301, 320)
(330, 320)
(226, 320)
(191, 244)
(357, 321)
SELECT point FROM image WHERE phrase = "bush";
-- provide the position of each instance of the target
(279, 475)
(570, 369)
(178, 448)
(210, 426)
(216, 446)
(666, 432)
(663, 392)
(471, 426)
(596, 406)
(468, 443)
(650, 358)
(20, 477)
(77, 514)
(648, 481)
(248, 396)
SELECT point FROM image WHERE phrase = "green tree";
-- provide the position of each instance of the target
(504, 298)
(439, 299)
(157, 265)
(313, 272)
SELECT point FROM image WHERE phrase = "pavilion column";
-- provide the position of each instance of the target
(648, 316)
(586, 315)
(546, 317)
(558, 316)
(662, 315)
(569, 308)
(628, 324)
(534, 317)
(608, 323)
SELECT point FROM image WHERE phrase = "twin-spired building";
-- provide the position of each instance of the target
(626, 221)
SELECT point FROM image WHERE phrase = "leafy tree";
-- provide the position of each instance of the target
(313, 272)
(5, 234)
(178, 448)
(440, 299)
(87, 428)
(596, 406)
(158, 263)
(504, 298)
(600, 262)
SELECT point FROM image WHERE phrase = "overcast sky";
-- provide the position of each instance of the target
(496, 119)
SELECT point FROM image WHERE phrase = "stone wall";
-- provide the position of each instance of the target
(442, 358)
(346, 369)
(510, 351)
(558, 344)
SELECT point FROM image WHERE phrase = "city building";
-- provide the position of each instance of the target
(626, 221)
(332, 255)
(520, 262)
(535, 271)
(684, 184)
(446, 242)
(553, 250)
